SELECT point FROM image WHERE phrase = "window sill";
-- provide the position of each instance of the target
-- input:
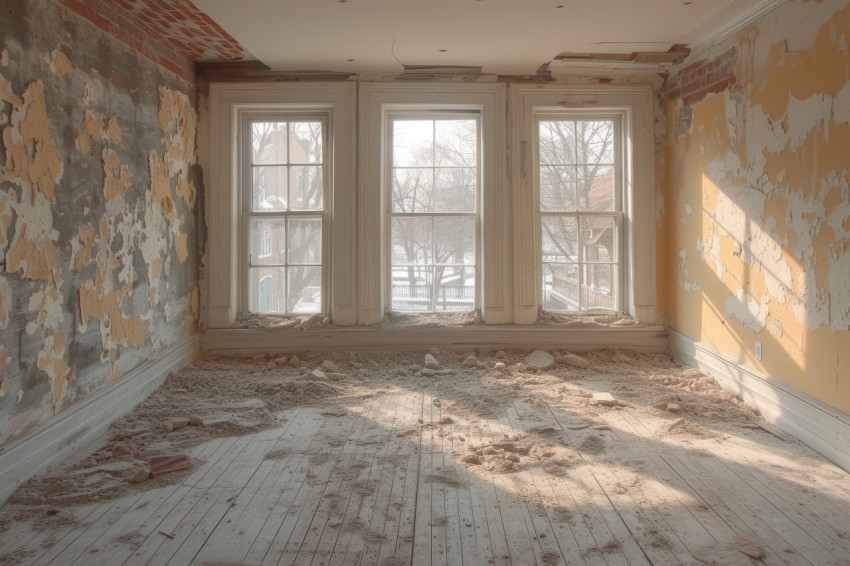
(250, 341)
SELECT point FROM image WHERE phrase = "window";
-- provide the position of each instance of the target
(584, 202)
(266, 241)
(284, 208)
(458, 229)
(579, 196)
(267, 294)
(279, 205)
(433, 208)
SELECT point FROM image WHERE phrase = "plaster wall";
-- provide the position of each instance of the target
(99, 215)
(757, 215)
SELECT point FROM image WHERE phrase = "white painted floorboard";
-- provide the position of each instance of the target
(382, 484)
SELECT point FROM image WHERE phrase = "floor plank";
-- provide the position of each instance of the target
(395, 473)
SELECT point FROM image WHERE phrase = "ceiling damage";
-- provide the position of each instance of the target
(332, 39)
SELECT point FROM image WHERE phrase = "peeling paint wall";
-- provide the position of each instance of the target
(758, 202)
(98, 211)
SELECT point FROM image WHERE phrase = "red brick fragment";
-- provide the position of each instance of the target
(160, 465)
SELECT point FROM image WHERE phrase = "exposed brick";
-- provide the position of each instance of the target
(172, 33)
(701, 78)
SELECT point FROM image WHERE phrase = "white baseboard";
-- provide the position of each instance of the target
(75, 430)
(822, 428)
(254, 341)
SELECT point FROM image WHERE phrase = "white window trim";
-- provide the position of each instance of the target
(227, 103)
(639, 295)
(356, 291)
(376, 101)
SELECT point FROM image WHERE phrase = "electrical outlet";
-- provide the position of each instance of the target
(758, 350)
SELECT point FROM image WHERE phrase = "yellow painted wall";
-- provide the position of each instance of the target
(757, 223)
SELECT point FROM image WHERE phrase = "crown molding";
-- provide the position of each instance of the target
(734, 27)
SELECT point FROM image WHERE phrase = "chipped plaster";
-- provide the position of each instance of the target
(94, 246)
(766, 160)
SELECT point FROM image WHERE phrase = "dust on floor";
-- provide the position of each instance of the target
(228, 396)
(590, 393)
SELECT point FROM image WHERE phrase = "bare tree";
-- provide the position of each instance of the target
(576, 160)
(434, 175)
(288, 175)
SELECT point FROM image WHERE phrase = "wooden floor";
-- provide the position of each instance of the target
(382, 483)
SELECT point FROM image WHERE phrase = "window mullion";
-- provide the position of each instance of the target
(433, 302)
(580, 269)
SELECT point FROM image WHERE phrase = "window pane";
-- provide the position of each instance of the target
(307, 187)
(599, 239)
(557, 188)
(454, 240)
(434, 172)
(413, 189)
(557, 141)
(560, 238)
(265, 293)
(305, 144)
(455, 289)
(412, 288)
(598, 287)
(596, 188)
(456, 142)
(413, 143)
(304, 289)
(455, 189)
(269, 188)
(596, 141)
(268, 242)
(268, 142)
(579, 253)
(560, 286)
(411, 241)
(304, 240)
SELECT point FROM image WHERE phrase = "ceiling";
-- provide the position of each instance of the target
(507, 37)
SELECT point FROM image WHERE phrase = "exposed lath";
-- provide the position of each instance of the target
(676, 54)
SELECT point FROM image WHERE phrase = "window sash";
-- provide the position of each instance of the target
(284, 270)
(391, 265)
(578, 291)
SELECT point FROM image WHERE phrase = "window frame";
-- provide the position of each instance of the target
(227, 103)
(248, 214)
(635, 103)
(619, 151)
(428, 113)
(377, 100)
